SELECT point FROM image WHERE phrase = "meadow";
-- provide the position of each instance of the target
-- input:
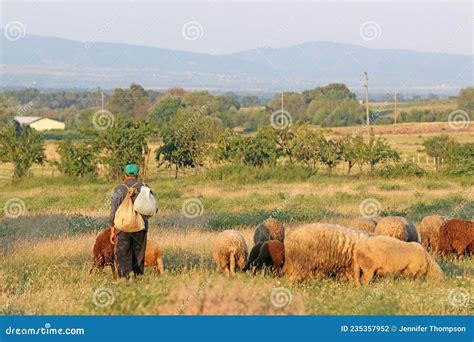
(46, 251)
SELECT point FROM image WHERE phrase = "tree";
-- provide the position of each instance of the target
(293, 104)
(129, 103)
(354, 151)
(123, 143)
(440, 148)
(261, 149)
(379, 151)
(188, 139)
(164, 110)
(249, 101)
(330, 153)
(466, 100)
(6, 114)
(305, 147)
(258, 150)
(77, 160)
(21, 146)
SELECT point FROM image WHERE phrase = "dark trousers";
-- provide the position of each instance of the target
(130, 253)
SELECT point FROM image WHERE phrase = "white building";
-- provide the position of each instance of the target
(39, 123)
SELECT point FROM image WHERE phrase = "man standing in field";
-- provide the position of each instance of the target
(129, 247)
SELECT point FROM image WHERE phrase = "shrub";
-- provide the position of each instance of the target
(401, 169)
(77, 160)
(453, 207)
(22, 146)
(247, 174)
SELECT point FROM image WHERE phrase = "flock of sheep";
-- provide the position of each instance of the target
(389, 246)
(367, 247)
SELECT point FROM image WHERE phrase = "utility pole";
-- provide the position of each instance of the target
(102, 93)
(282, 102)
(366, 86)
(395, 110)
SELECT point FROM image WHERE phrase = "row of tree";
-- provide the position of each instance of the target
(331, 105)
(193, 140)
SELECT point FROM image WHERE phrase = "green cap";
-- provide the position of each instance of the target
(131, 170)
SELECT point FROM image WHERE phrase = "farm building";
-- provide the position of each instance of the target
(39, 123)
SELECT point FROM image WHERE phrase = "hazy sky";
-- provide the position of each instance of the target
(226, 27)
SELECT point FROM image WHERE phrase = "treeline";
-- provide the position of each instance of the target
(193, 141)
(328, 106)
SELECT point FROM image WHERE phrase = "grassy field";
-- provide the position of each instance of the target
(46, 251)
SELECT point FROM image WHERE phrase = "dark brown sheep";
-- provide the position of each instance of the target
(103, 254)
(456, 235)
(269, 254)
(270, 229)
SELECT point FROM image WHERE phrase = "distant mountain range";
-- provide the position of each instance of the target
(49, 62)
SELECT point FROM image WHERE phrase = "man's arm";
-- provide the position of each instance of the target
(117, 198)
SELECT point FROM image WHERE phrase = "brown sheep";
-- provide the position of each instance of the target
(456, 235)
(269, 254)
(429, 231)
(365, 224)
(320, 249)
(230, 251)
(398, 227)
(154, 257)
(270, 229)
(384, 255)
(103, 254)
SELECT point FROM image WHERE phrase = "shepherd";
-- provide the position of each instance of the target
(132, 205)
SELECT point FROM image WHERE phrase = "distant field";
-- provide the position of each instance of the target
(436, 105)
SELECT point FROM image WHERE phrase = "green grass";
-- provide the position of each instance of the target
(38, 280)
(46, 252)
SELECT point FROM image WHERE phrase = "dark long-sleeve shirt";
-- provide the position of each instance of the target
(119, 195)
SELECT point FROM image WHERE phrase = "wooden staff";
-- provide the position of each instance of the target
(146, 165)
